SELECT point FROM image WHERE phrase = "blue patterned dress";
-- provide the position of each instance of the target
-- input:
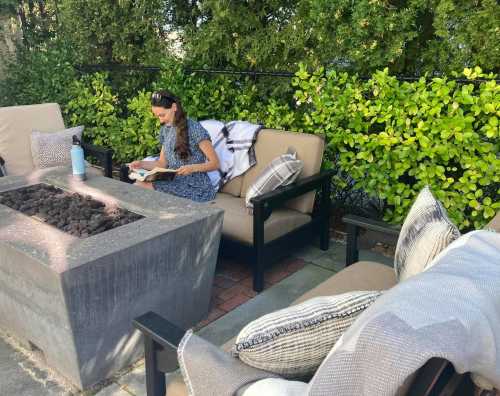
(196, 186)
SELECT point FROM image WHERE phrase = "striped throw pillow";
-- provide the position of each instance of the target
(282, 171)
(426, 231)
(292, 342)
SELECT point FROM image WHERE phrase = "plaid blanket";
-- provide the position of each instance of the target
(3, 171)
(234, 144)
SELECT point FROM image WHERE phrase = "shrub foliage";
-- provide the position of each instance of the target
(396, 137)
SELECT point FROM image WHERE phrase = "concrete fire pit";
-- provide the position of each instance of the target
(74, 298)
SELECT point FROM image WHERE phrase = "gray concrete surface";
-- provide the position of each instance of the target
(73, 300)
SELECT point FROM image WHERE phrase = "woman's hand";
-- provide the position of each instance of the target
(135, 165)
(187, 170)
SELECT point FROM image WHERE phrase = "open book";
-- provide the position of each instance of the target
(152, 175)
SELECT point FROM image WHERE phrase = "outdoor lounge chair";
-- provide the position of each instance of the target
(284, 217)
(436, 377)
(16, 125)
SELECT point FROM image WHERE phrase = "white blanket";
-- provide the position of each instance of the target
(452, 311)
(233, 142)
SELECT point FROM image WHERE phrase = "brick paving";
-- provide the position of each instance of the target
(233, 283)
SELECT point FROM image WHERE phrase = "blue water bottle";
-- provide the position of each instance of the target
(77, 159)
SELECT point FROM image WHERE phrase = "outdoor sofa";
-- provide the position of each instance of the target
(16, 125)
(436, 377)
(289, 216)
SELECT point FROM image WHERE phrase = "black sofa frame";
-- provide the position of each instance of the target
(103, 155)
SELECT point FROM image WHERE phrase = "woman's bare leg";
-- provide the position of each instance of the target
(142, 184)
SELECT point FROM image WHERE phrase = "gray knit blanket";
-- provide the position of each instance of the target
(451, 311)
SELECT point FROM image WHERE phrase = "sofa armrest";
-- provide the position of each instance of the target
(161, 339)
(354, 224)
(103, 155)
(278, 197)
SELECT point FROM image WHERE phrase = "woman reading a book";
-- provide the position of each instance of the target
(186, 147)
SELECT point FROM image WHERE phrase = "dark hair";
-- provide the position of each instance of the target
(166, 99)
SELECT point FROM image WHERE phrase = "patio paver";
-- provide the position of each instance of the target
(19, 376)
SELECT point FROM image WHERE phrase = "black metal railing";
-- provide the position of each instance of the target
(251, 73)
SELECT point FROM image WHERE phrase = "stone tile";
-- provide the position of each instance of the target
(334, 258)
(235, 301)
(134, 381)
(308, 253)
(214, 314)
(326, 261)
(367, 255)
(115, 390)
(337, 252)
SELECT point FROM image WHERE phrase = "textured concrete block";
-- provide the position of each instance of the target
(75, 299)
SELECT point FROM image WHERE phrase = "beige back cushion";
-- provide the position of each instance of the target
(272, 143)
(16, 125)
(233, 187)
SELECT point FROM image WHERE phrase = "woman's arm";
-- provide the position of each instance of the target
(211, 164)
(148, 165)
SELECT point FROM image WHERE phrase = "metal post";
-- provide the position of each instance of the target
(155, 379)
(352, 254)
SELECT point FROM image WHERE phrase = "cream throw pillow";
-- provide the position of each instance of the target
(426, 231)
(282, 171)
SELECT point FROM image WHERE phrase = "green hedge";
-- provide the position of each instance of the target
(391, 137)
(396, 137)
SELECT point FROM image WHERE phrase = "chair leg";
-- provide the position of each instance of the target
(352, 254)
(258, 246)
(258, 269)
(326, 204)
(155, 379)
(324, 237)
(124, 174)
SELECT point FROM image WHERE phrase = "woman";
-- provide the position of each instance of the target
(186, 146)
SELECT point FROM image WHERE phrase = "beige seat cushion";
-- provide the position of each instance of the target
(271, 144)
(176, 385)
(238, 224)
(363, 275)
(494, 224)
(16, 125)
